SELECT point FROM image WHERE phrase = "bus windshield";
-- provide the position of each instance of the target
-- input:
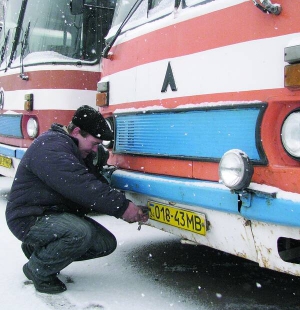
(49, 33)
(9, 29)
(136, 12)
(122, 9)
(51, 27)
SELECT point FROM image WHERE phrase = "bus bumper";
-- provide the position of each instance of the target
(10, 158)
(260, 230)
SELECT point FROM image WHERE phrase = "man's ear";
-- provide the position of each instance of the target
(75, 132)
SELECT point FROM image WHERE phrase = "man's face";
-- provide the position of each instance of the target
(87, 144)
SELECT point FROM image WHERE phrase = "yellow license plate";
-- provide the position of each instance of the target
(5, 162)
(184, 219)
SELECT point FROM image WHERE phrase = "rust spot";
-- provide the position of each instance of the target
(208, 225)
(265, 262)
(247, 223)
(243, 255)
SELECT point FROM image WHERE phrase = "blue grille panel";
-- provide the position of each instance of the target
(199, 134)
(10, 125)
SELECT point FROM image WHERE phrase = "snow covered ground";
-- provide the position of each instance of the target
(111, 282)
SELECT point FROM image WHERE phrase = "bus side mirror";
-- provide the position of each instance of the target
(76, 6)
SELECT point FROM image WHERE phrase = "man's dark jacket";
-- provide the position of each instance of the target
(52, 177)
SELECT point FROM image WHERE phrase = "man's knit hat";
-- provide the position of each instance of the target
(91, 121)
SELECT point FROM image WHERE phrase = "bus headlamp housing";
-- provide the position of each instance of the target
(32, 127)
(290, 134)
(109, 144)
(235, 170)
(101, 157)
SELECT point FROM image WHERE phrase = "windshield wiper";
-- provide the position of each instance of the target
(24, 45)
(114, 38)
(18, 32)
(4, 47)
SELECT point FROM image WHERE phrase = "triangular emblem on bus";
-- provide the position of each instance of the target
(169, 80)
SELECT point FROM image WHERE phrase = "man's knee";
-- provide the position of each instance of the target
(104, 241)
(82, 233)
(112, 244)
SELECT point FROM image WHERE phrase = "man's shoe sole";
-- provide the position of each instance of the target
(44, 287)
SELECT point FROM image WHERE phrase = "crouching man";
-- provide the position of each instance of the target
(54, 189)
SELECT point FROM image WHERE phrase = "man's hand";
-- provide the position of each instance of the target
(135, 214)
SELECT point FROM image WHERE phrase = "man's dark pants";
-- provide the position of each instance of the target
(60, 239)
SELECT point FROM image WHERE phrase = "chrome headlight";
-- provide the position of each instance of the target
(32, 128)
(101, 157)
(235, 169)
(290, 134)
(109, 144)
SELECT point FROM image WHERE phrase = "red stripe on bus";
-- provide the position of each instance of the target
(51, 79)
(186, 38)
(45, 119)
(273, 175)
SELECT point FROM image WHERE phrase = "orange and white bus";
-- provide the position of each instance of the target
(49, 66)
(205, 102)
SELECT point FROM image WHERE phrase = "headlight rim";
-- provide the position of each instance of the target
(108, 144)
(35, 132)
(282, 136)
(248, 170)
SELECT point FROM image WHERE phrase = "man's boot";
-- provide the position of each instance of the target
(51, 285)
